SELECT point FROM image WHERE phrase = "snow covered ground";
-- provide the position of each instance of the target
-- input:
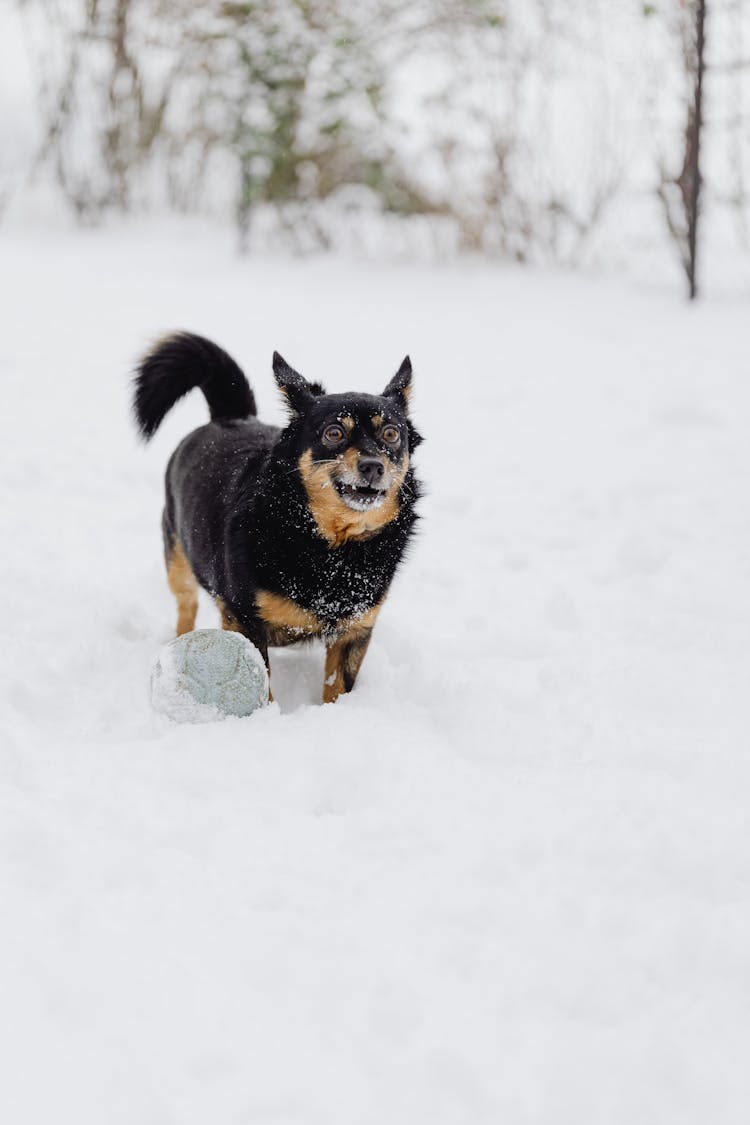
(508, 878)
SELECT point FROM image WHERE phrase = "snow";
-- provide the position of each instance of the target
(508, 878)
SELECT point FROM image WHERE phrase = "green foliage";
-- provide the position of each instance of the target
(302, 77)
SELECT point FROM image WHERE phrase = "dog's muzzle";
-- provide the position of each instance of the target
(368, 487)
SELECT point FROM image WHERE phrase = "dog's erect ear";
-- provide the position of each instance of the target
(400, 385)
(400, 389)
(296, 389)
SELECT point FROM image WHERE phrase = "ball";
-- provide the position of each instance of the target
(208, 674)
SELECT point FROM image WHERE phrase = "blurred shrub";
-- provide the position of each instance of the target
(508, 127)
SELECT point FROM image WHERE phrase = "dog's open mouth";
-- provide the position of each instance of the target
(360, 496)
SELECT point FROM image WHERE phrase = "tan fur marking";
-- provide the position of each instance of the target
(344, 656)
(183, 584)
(350, 458)
(333, 684)
(377, 421)
(363, 624)
(347, 423)
(335, 521)
(282, 613)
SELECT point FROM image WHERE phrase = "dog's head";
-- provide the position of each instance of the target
(352, 451)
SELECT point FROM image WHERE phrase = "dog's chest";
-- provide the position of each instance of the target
(326, 598)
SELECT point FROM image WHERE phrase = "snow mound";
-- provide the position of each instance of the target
(208, 674)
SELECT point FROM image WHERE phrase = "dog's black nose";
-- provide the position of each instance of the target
(372, 469)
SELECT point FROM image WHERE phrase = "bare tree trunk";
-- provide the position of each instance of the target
(693, 167)
(681, 194)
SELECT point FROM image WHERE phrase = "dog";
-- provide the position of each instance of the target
(296, 532)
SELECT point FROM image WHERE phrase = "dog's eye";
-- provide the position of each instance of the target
(333, 435)
(390, 435)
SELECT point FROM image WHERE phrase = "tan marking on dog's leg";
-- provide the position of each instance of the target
(344, 656)
(343, 660)
(333, 683)
(183, 584)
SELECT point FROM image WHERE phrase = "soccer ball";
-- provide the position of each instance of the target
(208, 674)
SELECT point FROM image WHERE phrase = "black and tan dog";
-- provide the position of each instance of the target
(296, 532)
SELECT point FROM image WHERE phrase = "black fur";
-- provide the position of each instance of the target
(176, 366)
(236, 503)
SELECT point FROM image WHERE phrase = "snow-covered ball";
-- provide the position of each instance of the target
(208, 674)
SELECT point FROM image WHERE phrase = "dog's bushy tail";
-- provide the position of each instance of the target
(175, 366)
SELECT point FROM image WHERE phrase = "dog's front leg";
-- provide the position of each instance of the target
(344, 658)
